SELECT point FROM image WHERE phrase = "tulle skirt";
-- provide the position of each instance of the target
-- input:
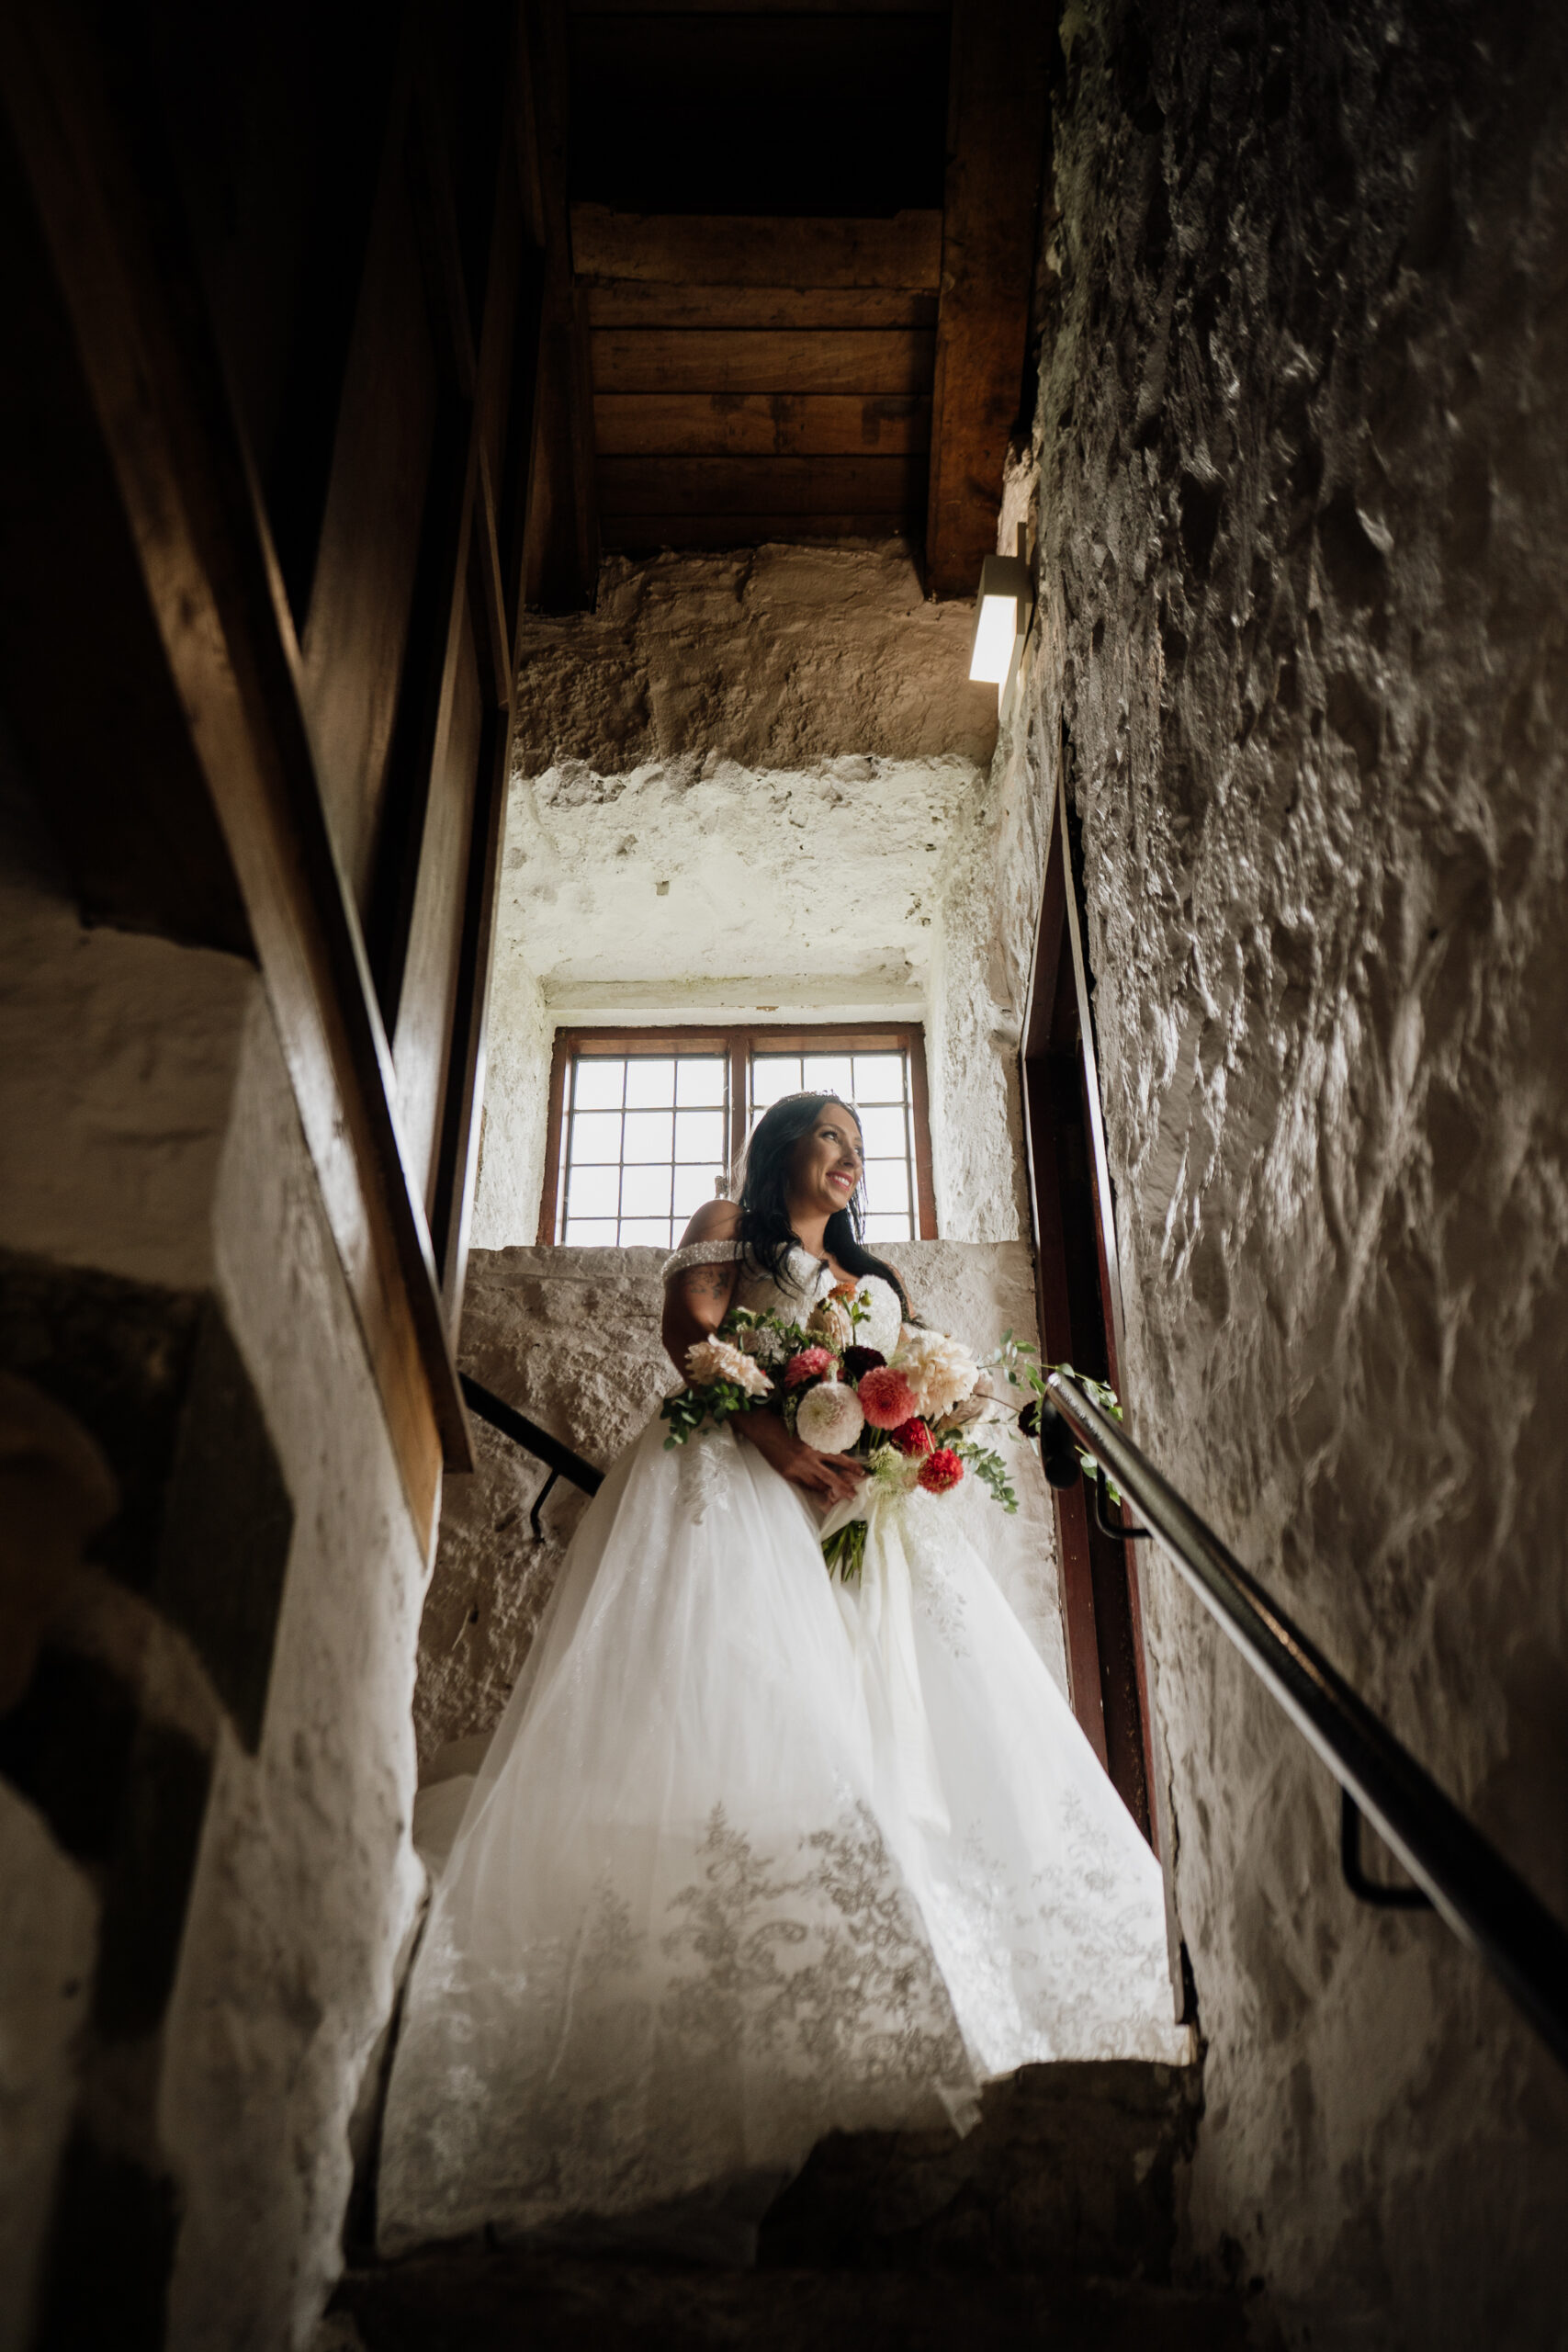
(752, 1858)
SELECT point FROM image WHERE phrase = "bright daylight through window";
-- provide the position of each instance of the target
(646, 1129)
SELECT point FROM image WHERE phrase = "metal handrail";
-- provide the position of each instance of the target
(558, 1459)
(1483, 1900)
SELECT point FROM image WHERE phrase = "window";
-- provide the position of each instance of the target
(645, 1125)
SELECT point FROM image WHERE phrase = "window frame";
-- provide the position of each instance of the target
(737, 1042)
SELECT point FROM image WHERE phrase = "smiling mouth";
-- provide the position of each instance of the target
(838, 1177)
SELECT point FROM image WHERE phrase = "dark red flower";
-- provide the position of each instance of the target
(913, 1436)
(943, 1470)
(858, 1362)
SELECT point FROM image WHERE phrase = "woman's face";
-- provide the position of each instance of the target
(825, 1166)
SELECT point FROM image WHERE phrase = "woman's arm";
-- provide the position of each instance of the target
(696, 1302)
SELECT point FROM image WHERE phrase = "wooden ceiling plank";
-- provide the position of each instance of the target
(870, 485)
(997, 129)
(716, 249)
(631, 359)
(702, 424)
(636, 303)
(639, 533)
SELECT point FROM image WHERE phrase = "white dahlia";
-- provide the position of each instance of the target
(829, 1417)
(940, 1371)
(711, 1360)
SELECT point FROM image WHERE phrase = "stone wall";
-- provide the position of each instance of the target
(206, 1778)
(1303, 491)
(572, 1337)
(741, 785)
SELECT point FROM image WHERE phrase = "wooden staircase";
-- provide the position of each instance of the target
(1053, 2224)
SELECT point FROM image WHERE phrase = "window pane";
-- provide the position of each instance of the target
(599, 1080)
(651, 1081)
(596, 1138)
(646, 1229)
(589, 1233)
(693, 1187)
(884, 1133)
(879, 1078)
(649, 1135)
(701, 1079)
(645, 1191)
(699, 1134)
(593, 1192)
(772, 1075)
(886, 1186)
(829, 1074)
(887, 1228)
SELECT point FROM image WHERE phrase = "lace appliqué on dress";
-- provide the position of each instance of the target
(786, 1989)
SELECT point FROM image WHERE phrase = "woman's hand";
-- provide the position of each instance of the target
(831, 1478)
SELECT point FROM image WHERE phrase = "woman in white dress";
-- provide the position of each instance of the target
(754, 1856)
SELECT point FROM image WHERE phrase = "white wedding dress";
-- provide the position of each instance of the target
(753, 1856)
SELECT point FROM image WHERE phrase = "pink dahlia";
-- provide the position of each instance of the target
(943, 1470)
(914, 1437)
(886, 1399)
(811, 1363)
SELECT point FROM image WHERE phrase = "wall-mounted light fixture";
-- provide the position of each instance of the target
(1003, 609)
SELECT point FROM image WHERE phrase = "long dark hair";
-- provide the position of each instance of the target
(765, 1233)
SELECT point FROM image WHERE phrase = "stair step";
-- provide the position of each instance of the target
(471, 2300)
(1071, 2173)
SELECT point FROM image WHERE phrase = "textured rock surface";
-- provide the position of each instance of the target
(746, 777)
(772, 657)
(1304, 503)
(150, 1164)
(46, 1969)
(572, 1337)
(892, 2240)
(307, 1882)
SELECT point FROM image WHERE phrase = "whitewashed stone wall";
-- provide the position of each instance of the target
(148, 1137)
(743, 785)
(1304, 509)
(572, 1337)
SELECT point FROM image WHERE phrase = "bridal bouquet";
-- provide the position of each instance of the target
(910, 1416)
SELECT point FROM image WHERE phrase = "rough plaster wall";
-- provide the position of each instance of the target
(749, 781)
(1305, 500)
(977, 997)
(118, 1056)
(306, 1883)
(571, 1336)
(519, 1031)
(46, 1955)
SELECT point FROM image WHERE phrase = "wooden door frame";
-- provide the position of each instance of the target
(1101, 1603)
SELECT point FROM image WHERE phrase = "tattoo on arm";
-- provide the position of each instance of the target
(710, 1283)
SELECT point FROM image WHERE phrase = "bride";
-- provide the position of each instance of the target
(754, 1856)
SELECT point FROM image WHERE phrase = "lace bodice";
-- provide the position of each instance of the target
(810, 1279)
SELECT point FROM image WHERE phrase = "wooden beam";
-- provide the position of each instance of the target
(640, 534)
(755, 425)
(863, 485)
(627, 359)
(637, 302)
(711, 249)
(560, 539)
(157, 389)
(997, 128)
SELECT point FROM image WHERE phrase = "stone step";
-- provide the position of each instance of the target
(1052, 2222)
(474, 2301)
(1071, 2173)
